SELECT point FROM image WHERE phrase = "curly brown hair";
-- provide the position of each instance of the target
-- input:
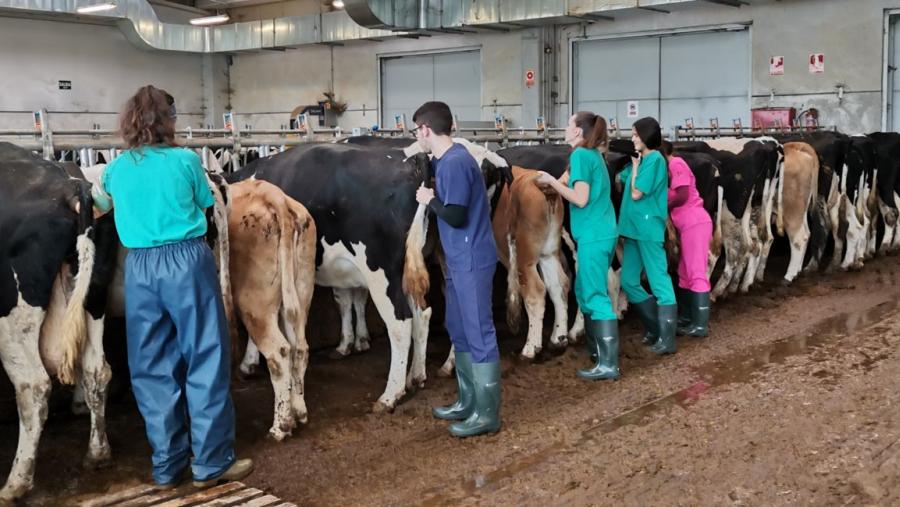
(148, 118)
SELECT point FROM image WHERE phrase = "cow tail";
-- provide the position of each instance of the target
(74, 329)
(779, 214)
(288, 248)
(221, 212)
(513, 288)
(416, 281)
(717, 233)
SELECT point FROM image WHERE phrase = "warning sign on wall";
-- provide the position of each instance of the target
(817, 63)
(632, 109)
(776, 66)
(529, 78)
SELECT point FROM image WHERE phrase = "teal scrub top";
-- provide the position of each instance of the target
(645, 219)
(159, 194)
(597, 219)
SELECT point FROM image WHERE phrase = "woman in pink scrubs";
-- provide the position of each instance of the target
(695, 229)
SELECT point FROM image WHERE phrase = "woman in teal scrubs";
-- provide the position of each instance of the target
(642, 225)
(586, 186)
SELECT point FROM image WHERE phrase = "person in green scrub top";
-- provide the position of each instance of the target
(642, 225)
(586, 185)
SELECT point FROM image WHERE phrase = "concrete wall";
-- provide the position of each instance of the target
(104, 69)
(267, 86)
(264, 87)
(848, 32)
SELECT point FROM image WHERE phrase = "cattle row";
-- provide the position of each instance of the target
(344, 216)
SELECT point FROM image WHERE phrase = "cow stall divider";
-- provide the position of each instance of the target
(239, 145)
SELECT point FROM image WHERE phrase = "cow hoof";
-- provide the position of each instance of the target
(247, 372)
(381, 407)
(524, 358)
(278, 434)
(97, 462)
(336, 354)
(445, 372)
(302, 417)
(785, 282)
(363, 346)
(414, 383)
(560, 344)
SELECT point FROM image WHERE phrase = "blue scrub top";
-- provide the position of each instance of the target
(458, 180)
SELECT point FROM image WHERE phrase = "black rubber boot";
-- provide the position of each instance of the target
(486, 416)
(649, 315)
(606, 333)
(463, 406)
(683, 297)
(699, 325)
(668, 319)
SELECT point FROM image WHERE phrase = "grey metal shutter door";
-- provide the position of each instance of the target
(609, 73)
(704, 76)
(409, 81)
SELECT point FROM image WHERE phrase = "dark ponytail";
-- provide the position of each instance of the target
(593, 130)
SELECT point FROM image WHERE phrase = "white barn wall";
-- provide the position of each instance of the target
(104, 68)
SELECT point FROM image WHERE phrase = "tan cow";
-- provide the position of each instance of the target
(528, 230)
(273, 253)
(796, 195)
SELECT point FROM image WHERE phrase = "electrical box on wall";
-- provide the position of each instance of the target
(326, 116)
(773, 117)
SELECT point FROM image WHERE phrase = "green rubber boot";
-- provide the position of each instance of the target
(486, 416)
(463, 406)
(606, 333)
(649, 315)
(668, 320)
(683, 297)
(698, 327)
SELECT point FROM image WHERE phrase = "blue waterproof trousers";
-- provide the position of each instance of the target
(178, 353)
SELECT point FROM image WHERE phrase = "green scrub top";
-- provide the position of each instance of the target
(645, 219)
(597, 219)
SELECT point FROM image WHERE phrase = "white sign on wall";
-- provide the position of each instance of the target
(817, 63)
(776, 66)
(633, 109)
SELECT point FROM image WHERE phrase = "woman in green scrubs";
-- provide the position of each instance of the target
(642, 225)
(586, 186)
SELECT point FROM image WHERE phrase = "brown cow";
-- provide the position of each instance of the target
(273, 253)
(528, 230)
(796, 194)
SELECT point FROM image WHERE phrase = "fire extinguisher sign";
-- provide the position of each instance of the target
(529, 78)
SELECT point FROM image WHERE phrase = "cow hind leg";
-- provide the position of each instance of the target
(250, 362)
(447, 368)
(535, 294)
(20, 355)
(400, 335)
(276, 349)
(344, 299)
(557, 284)
(362, 342)
(421, 321)
(95, 377)
(295, 332)
(799, 242)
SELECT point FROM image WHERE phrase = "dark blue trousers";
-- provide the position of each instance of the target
(470, 321)
(178, 353)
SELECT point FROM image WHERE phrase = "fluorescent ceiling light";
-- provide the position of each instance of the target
(87, 9)
(210, 20)
(338, 4)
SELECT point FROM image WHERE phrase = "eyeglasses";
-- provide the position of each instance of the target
(415, 131)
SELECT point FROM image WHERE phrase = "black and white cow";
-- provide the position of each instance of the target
(749, 174)
(371, 233)
(55, 264)
(887, 186)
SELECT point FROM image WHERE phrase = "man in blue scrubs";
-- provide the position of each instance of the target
(464, 225)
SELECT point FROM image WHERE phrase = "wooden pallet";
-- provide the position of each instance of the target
(232, 494)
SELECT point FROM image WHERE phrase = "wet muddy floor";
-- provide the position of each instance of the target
(793, 399)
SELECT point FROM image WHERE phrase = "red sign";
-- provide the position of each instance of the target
(816, 63)
(529, 78)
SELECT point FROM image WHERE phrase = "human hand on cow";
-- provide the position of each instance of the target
(424, 195)
(544, 179)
